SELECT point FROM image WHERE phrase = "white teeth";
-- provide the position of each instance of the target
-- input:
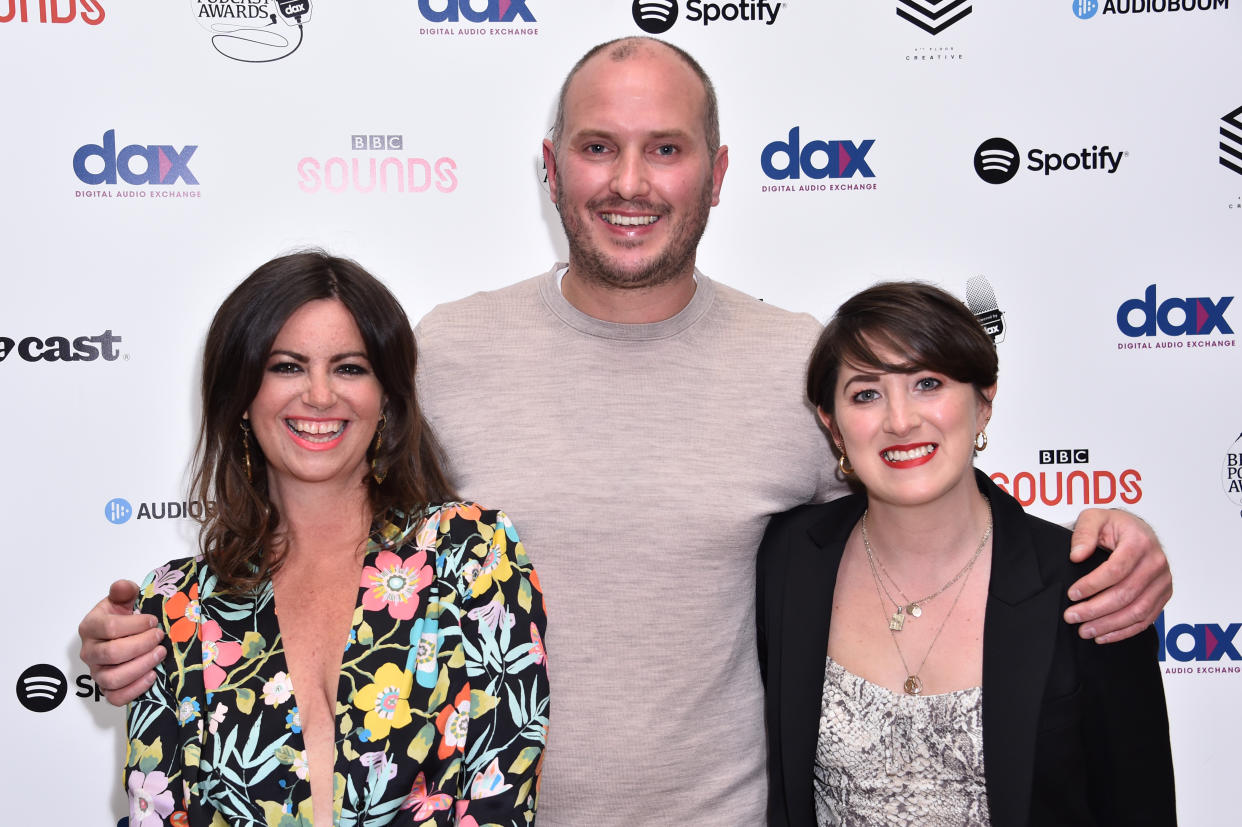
(630, 220)
(915, 453)
(306, 427)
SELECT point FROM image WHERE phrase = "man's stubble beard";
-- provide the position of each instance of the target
(592, 264)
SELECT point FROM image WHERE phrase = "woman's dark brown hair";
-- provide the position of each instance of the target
(925, 327)
(239, 534)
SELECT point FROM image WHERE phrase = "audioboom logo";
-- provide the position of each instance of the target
(1085, 9)
(1150, 6)
(1076, 486)
(1231, 472)
(981, 300)
(118, 510)
(996, 160)
(42, 688)
(89, 12)
(1231, 141)
(368, 173)
(933, 16)
(253, 31)
(62, 348)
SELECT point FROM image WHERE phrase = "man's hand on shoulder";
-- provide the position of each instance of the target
(121, 648)
(1125, 593)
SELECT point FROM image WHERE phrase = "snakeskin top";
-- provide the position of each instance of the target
(886, 759)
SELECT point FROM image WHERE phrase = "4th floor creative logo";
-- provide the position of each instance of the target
(933, 16)
(253, 31)
(1231, 141)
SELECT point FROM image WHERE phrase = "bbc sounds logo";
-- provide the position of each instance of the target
(1231, 141)
(42, 688)
(89, 12)
(254, 31)
(933, 16)
(1066, 476)
(376, 163)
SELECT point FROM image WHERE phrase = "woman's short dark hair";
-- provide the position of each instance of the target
(926, 327)
(239, 533)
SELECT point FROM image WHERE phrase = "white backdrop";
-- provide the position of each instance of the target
(259, 158)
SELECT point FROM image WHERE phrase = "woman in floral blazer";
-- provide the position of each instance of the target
(438, 711)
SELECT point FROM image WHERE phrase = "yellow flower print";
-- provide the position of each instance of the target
(496, 566)
(386, 709)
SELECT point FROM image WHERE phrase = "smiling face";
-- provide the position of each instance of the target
(319, 403)
(633, 178)
(909, 436)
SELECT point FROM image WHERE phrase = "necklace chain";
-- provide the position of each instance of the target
(914, 684)
(914, 608)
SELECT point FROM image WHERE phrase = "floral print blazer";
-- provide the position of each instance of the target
(442, 710)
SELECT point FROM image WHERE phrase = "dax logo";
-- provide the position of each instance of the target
(161, 165)
(61, 11)
(42, 688)
(933, 16)
(655, 16)
(1198, 316)
(494, 11)
(1231, 141)
(996, 160)
(60, 349)
(981, 300)
(842, 159)
(1086, 9)
(1199, 641)
(118, 510)
(1231, 472)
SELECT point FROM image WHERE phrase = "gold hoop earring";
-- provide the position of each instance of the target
(843, 463)
(376, 474)
(981, 440)
(245, 429)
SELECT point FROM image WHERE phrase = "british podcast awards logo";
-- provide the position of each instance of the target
(253, 31)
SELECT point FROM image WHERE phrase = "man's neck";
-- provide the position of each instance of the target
(644, 305)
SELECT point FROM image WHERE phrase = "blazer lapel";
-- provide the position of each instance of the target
(807, 611)
(1019, 635)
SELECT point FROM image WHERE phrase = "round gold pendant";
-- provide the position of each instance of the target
(915, 610)
(913, 685)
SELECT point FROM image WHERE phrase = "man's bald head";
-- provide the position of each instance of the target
(621, 50)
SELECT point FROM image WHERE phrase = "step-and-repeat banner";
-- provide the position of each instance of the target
(1071, 169)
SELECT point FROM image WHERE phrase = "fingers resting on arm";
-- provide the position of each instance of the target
(120, 647)
(1126, 593)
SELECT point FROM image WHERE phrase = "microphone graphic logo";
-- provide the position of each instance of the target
(996, 160)
(42, 688)
(982, 302)
(655, 16)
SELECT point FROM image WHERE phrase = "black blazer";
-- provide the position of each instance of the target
(1074, 732)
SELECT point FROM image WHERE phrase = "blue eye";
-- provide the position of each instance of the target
(666, 149)
(928, 383)
(868, 395)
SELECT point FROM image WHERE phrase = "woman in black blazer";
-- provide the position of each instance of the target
(916, 666)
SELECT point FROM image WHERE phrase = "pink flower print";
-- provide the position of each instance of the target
(278, 690)
(149, 799)
(216, 654)
(537, 652)
(394, 584)
(490, 782)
